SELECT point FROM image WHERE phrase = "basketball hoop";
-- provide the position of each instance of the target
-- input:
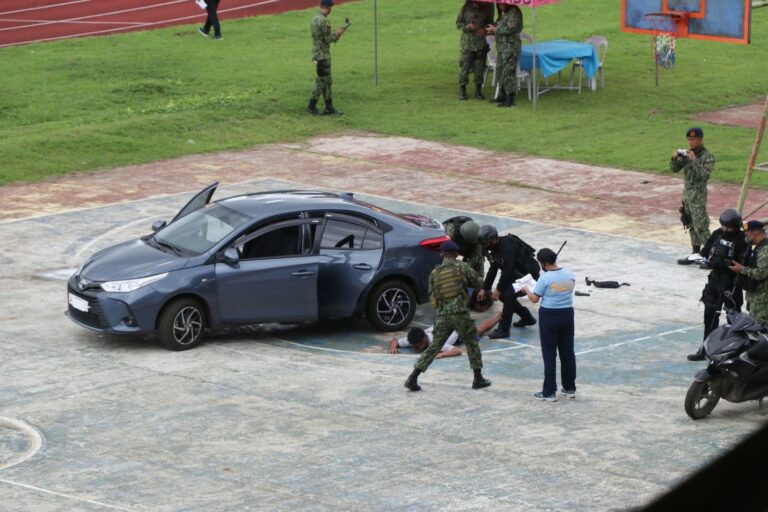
(666, 28)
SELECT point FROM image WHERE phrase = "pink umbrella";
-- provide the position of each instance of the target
(533, 4)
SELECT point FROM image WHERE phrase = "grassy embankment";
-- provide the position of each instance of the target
(102, 102)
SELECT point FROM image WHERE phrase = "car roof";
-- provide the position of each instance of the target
(275, 203)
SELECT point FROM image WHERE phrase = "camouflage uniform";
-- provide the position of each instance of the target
(448, 285)
(322, 37)
(474, 48)
(695, 175)
(472, 255)
(508, 47)
(757, 286)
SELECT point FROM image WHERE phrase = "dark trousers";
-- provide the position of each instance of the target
(213, 18)
(511, 306)
(556, 327)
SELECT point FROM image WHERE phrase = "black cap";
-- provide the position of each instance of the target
(754, 225)
(326, 3)
(694, 132)
(449, 246)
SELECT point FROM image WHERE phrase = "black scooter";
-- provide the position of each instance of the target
(738, 365)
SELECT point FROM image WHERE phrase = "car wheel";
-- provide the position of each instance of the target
(181, 325)
(391, 306)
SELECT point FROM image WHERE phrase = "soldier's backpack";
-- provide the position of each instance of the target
(526, 259)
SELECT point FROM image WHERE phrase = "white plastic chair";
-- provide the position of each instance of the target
(600, 44)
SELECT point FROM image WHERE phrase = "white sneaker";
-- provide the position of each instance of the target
(569, 394)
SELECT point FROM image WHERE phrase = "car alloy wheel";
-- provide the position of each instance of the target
(187, 325)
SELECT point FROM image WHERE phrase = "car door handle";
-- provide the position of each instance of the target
(302, 273)
(362, 266)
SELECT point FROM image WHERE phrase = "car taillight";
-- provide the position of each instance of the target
(434, 243)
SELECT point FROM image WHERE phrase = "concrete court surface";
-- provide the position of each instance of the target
(315, 417)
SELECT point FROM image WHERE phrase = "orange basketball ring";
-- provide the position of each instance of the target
(667, 27)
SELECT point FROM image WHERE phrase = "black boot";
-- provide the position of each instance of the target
(480, 382)
(512, 99)
(463, 92)
(509, 100)
(698, 356)
(500, 98)
(479, 92)
(501, 331)
(526, 319)
(412, 381)
(312, 107)
(329, 110)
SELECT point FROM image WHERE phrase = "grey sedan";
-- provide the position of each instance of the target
(287, 256)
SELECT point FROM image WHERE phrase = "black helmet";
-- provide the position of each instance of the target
(485, 234)
(730, 218)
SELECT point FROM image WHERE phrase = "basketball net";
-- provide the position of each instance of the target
(665, 31)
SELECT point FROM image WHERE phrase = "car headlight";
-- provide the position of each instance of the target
(130, 284)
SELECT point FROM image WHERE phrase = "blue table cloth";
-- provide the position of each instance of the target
(553, 56)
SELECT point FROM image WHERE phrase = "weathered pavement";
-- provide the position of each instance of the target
(315, 417)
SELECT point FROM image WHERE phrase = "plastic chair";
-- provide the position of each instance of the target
(491, 64)
(526, 38)
(600, 44)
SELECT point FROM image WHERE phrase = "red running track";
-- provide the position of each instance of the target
(32, 21)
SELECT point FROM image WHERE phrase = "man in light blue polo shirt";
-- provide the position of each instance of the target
(555, 289)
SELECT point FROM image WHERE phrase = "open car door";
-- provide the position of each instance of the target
(200, 199)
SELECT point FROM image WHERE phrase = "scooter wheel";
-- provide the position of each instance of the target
(700, 400)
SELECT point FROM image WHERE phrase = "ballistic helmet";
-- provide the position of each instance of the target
(730, 218)
(468, 231)
(485, 234)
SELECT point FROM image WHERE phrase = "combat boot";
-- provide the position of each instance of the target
(500, 98)
(499, 332)
(329, 110)
(479, 92)
(509, 100)
(526, 319)
(463, 92)
(412, 381)
(312, 107)
(480, 382)
(698, 356)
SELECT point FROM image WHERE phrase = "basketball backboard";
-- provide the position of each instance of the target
(715, 20)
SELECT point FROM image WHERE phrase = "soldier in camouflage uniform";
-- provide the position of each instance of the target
(507, 32)
(472, 20)
(448, 285)
(322, 37)
(463, 231)
(756, 272)
(697, 164)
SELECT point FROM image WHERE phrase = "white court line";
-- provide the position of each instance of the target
(48, 22)
(34, 435)
(64, 495)
(49, 6)
(326, 349)
(642, 338)
(521, 345)
(111, 30)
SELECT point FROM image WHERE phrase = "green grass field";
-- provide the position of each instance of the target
(95, 103)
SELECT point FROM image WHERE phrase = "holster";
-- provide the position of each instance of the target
(685, 217)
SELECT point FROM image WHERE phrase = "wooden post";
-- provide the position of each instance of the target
(753, 157)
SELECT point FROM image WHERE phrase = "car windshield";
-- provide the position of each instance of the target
(197, 232)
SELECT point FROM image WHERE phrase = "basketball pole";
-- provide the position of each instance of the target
(752, 159)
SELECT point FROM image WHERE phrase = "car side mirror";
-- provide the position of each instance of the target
(158, 225)
(230, 256)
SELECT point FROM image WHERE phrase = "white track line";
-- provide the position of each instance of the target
(634, 340)
(64, 495)
(32, 433)
(107, 31)
(49, 22)
(42, 7)
(97, 15)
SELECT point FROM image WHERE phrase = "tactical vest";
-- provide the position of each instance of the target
(448, 283)
(750, 284)
(722, 253)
